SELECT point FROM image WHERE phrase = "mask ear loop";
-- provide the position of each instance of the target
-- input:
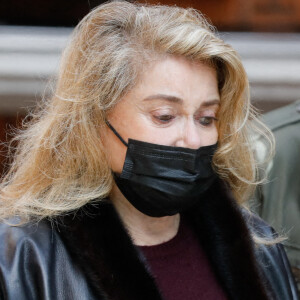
(116, 133)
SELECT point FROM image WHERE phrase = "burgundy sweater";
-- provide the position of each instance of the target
(181, 269)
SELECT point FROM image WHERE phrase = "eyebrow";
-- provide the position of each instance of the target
(168, 98)
(175, 99)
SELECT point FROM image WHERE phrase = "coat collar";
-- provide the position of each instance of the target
(100, 245)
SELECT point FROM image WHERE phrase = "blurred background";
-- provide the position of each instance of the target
(33, 33)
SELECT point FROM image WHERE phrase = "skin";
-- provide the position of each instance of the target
(175, 103)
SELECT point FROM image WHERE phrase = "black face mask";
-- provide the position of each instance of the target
(162, 180)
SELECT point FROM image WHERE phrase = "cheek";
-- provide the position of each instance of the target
(161, 136)
(209, 137)
(158, 136)
(117, 159)
(213, 136)
(115, 151)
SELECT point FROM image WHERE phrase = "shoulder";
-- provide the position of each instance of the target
(257, 226)
(34, 264)
(271, 258)
(284, 122)
(25, 239)
(24, 253)
(283, 116)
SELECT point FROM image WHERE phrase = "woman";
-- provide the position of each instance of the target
(136, 167)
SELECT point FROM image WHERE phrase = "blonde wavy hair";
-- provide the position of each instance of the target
(59, 163)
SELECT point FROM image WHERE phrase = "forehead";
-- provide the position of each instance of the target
(178, 78)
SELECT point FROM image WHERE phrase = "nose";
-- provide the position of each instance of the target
(190, 136)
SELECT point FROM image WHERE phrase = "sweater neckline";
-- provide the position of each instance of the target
(171, 247)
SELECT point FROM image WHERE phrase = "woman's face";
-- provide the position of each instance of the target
(175, 103)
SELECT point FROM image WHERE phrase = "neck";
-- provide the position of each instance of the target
(144, 230)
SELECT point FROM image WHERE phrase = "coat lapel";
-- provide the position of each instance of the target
(103, 249)
(226, 240)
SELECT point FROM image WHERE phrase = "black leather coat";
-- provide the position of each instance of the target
(90, 256)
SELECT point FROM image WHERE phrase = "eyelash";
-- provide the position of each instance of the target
(165, 119)
(211, 121)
